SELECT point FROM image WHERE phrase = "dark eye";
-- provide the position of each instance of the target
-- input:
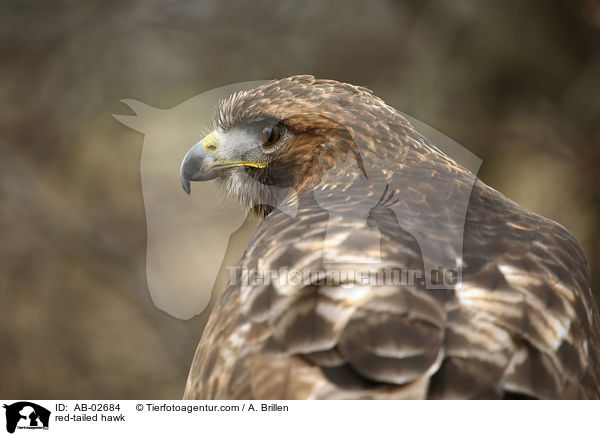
(270, 135)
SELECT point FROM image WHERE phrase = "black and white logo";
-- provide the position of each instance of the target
(26, 415)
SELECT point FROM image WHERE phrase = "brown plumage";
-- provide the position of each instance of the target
(521, 323)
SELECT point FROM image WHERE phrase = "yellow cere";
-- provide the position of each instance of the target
(210, 143)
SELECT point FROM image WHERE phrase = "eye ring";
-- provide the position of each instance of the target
(270, 135)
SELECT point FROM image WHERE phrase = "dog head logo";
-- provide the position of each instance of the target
(26, 415)
(182, 229)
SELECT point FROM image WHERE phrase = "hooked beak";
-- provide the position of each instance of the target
(196, 166)
(201, 163)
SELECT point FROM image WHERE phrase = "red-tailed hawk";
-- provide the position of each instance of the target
(515, 317)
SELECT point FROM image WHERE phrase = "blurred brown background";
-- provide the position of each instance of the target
(515, 82)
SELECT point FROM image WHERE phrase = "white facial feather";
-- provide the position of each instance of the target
(236, 143)
(243, 144)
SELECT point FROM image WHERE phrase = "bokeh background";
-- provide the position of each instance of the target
(515, 82)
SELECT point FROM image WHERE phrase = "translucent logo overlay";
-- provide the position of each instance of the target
(194, 242)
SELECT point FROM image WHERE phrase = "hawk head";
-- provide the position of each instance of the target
(284, 134)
